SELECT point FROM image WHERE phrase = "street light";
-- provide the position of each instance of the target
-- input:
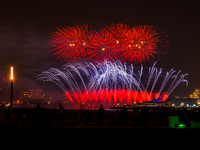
(11, 100)
(11, 73)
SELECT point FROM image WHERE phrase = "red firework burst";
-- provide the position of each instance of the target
(119, 31)
(140, 44)
(70, 43)
(103, 46)
(117, 41)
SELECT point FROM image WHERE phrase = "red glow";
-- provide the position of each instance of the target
(164, 96)
(157, 95)
(114, 96)
(69, 97)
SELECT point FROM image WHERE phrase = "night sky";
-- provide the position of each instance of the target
(25, 28)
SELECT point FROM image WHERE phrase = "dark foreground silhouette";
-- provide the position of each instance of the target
(138, 117)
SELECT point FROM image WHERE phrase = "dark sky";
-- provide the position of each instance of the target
(25, 28)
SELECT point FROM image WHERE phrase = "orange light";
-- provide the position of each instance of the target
(11, 74)
(103, 49)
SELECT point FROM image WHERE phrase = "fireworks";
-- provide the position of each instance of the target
(117, 41)
(141, 44)
(103, 47)
(71, 43)
(105, 78)
(111, 82)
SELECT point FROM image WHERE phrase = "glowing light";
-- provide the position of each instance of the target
(182, 125)
(11, 74)
(71, 44)
(142, 42)
(103, 49)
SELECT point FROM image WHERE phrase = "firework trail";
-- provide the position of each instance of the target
(110, 81)
(113, 76)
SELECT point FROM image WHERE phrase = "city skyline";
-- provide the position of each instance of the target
(25, 33)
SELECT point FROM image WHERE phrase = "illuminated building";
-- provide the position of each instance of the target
(32, 94)
(195, 94)
(38, 93)
(32, 97)
(183, 102)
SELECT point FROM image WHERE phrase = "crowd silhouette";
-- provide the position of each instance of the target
(123, 116)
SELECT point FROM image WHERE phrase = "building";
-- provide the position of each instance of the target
(195, 94)
(183, 102)
(32, 94)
